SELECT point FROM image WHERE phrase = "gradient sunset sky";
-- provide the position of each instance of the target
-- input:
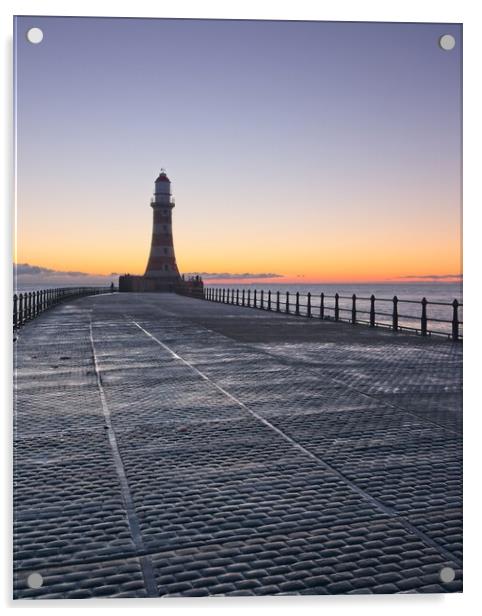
(321, 152)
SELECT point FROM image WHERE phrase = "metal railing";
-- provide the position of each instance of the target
(357, 310)
(27, 306)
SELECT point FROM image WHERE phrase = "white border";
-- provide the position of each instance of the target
(347, 10)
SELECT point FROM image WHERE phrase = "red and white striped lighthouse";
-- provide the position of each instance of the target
(162, 260)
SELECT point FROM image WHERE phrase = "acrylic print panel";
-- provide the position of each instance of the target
(238, 312)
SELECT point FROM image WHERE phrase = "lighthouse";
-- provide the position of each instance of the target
(161, 272)
(162, 260)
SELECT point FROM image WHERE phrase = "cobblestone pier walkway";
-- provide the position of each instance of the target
(170, 446)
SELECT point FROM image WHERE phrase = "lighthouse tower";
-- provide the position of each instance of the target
(161, 273)
(162, 261)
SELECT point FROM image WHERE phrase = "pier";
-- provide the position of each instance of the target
(170, 446)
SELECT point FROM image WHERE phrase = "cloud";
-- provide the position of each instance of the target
(433, 277)
(25, 269)
(36, 275)
(231, 276)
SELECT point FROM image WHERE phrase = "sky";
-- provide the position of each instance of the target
(297, 151)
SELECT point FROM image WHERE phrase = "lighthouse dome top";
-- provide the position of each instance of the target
(162, 177)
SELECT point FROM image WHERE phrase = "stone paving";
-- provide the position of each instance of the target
(168, 446)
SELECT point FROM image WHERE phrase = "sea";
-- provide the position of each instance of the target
(440, 296)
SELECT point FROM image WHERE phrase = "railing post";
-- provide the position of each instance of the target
(308, 305)
(322, 305)
(353, 309)
(232, 296)
(242, 298)
(277, 301)
(287, 302)
(423, 319)
(15, 315)
(297, 305)
(455, 320)
(227, 296)
(224, 296)
(395, 314)
(29, 305)
(254, 299)
(249, 298)
(22, 307)
(237, 297)
(38, 303)
(262, 300)
(372, 311)
(337, 306)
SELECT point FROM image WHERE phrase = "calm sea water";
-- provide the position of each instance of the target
(409, 313)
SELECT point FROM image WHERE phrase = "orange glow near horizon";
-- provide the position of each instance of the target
(321, 251)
